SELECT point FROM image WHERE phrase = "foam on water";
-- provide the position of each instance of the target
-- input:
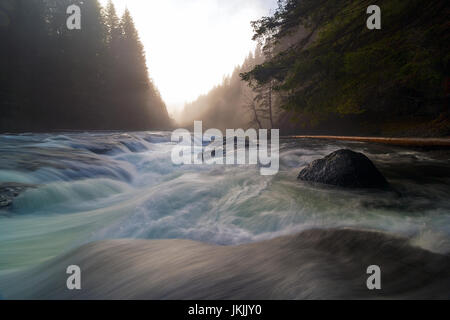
(96, 186)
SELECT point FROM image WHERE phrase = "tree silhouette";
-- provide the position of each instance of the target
(53, 78)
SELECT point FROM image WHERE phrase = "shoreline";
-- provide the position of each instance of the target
(399, 141)
(407, 142)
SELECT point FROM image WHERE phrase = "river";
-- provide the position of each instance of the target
(80, 188)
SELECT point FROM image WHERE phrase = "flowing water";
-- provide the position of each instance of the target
(79, 188)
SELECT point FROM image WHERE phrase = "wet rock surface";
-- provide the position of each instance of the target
(344, 168)
(8, 191)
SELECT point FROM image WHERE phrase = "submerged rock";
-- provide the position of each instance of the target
(8, 191)
(344, 168)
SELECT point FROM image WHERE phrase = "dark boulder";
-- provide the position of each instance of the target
(8, 191)
(344, 168)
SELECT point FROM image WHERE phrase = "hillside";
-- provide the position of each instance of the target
(341, 77)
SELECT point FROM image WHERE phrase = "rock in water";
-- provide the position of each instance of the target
(8, 191)
(344, 168)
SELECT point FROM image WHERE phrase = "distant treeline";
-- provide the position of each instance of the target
(229, 104)
(53, 78)
(325, 72)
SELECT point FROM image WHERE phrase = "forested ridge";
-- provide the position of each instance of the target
(53, 78)
(324, 72)
(389, 81)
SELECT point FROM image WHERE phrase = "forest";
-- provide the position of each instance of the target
(230, 104)
(316, 69)
(53, 78)
(320, 70)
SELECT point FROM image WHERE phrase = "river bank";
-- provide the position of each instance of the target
(406, 142)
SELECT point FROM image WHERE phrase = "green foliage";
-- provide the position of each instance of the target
(340, 67)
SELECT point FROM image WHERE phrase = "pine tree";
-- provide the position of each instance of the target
(112, 23)
(24, 36)
(132, 56)
(134, 77)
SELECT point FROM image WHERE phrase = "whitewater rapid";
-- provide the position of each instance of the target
(85, 187)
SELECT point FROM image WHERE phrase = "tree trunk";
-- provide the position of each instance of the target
(256, 116)
(270, 105)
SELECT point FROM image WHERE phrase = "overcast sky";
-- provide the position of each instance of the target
(192, 44)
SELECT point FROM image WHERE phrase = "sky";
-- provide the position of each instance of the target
(191, 44)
